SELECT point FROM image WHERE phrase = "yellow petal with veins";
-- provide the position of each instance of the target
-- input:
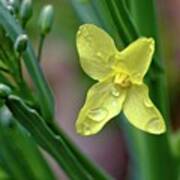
(104, 101)
(135, 59)
(95, 48)
(141, 112)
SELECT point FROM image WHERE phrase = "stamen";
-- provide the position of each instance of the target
(122, 79)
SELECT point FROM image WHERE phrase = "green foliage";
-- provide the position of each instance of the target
(16, 147)
(31, 113)
(27, 116)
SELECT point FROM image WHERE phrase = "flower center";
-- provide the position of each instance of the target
(122, 79)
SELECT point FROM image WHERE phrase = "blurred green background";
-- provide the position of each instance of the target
(69, 83)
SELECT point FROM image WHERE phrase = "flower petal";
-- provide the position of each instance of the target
(136, 58)
(104, 101)
(141, 112)
(95, 48)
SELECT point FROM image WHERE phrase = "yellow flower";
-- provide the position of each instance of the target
(120, 82)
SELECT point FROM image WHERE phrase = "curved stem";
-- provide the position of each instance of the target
(41, 43)
(95, 171)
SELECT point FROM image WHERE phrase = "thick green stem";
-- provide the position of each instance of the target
(153, 151)
(92, 169)
(41, 43)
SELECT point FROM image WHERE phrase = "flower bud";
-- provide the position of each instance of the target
(15, 4)
(4, 91)
(10, 9)
(46, 19)
(25, 11)
(21, 43)
(11, 5)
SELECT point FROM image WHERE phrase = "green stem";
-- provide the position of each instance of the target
(175, 144)
(92, 169)
(123, 33)
(153, 151)
(41, 43)
(5, 70)
(3, 173)
(18, 151)
(20, 69)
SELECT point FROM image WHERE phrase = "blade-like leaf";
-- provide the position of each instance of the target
(19, 153)
(52, 143)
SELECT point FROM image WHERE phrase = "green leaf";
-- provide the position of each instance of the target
(85, 8)
(51, 142)
(95, 171)
(19, 153)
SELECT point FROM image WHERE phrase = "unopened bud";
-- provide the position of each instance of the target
(21, 43)
(46, 19)
(26, 11)
(4, 90)
(11, 5)
(15, 4)
(10, 9)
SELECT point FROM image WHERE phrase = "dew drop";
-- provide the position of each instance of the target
(117, 56)
(97, 114)
(115, 92)
(114, 103)
(79, 33)
(83, 129)
(154, 126)
(148, 103)
(86, 129)
(99, 54)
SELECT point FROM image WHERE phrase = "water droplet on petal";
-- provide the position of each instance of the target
(115, 92)
(86, 129)
(148, 103)
(155, 126)
(99, 54)
(117, 56)
(79, 33)
(97, 114)
(114, 103)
